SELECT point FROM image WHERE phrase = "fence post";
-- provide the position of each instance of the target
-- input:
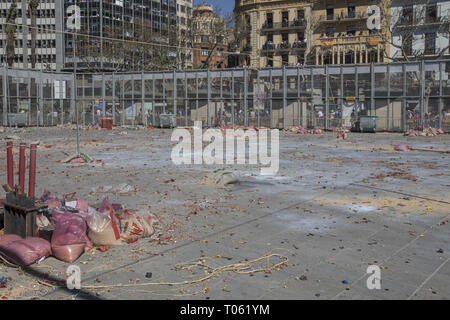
(258, 98)
(41, 96)
(209, 98)
(245, 96)
(113, 98)
(298, 97)
(73, 106)
(222, 104)
(5, 96)
(404, 98)
(153, 99)
(312, 98)
(422, 94)
(143, 100)
(327, 94)
(185, 99)
(440, 95)
(232, 98)
(175, 95)
(372, 89)
(388, 118)
(284, 96)
(103, 94)
(93, 99)
(271, 98)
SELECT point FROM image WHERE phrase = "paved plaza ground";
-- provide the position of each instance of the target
(335, 207)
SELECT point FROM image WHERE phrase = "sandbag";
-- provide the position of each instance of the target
(27, 251)
(69, 239)
(135, 225)
(8, 238)
(104, 225)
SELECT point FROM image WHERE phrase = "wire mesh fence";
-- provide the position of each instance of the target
(401, 95)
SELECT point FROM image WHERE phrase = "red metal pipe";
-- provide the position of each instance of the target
(22, 168)
(10, 164)
(32, 177)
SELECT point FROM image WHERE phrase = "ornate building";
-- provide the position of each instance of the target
(273, 33)
(341, 35)
(210, 39)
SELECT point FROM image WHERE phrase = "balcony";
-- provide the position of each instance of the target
(343, 16)
(247, 49)
(284, 46)
(349, 39)
(285, 25)
(408, 21)
(299, 45)
(430, 51)
(268, 46)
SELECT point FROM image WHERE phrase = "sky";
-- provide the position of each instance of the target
(227, 6)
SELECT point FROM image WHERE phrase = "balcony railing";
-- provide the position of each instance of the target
(284, 46)
(430, 51)
(296, 24)
(408, 21)
(268, 46)
(299, 45)
(343, 16)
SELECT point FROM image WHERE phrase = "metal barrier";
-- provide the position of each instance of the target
(402, 96)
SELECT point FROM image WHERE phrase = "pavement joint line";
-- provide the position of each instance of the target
(402, 193)
(394, 254)
(207, 236)
(428, 279)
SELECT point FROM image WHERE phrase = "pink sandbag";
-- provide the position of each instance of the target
(27, 251)
(69, 240)
(8, 238)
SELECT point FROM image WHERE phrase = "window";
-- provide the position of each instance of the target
(351, 10)
(430, 43)
(285, 59)
(301, 14)
(330, 12)
(351, 30)
(407, 15)
(270, 60)
(431, 14)
(407, 45)
(205, 52)
(205, 39)
(285, 19)
(329, 32)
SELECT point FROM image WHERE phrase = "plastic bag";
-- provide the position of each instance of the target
(104, 225)
(69, 239)
(136, 225)
(27, 251)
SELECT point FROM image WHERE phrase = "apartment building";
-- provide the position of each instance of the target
(185, 35)
(273, 33)
(341, 35)
(131, 22)
(420, 29)
(49, 46)
(210, 39)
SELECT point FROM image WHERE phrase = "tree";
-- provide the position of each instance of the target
(11, 33)
(32, 8)
(212, 31)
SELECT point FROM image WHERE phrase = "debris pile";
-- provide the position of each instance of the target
(401, 147)
(66, 229)
(428, 132)
(301, 130)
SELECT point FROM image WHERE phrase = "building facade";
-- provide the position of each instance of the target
(113, 35)
(420, 29)
(210, 39)
(49, 45)
(341, 35)
(273, 33)
(185, 35)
